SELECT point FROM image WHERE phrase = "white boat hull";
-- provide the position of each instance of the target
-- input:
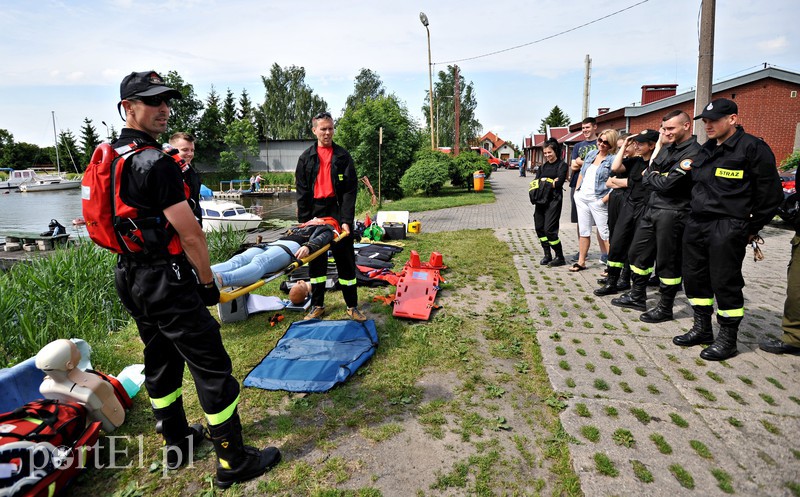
(219, 215)
(50, 185)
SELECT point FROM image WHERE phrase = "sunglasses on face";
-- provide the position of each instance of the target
(323, 115)
(601, 141)
(153, 101)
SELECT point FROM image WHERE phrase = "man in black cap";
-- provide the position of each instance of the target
(660, 229)
(166, 289)
(736, 192)
(629, 164)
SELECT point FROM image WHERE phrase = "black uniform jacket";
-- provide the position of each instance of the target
(343, 178)
(737, 179)
(669, 183)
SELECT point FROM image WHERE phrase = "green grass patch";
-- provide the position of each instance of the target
(611, 411)
(623, 437)
(768, 399)
(625, 387)
(747, 381)
(590, 367)
(653, 389)
(714, 376)
(570, 382)
(601, 384)
(580, 352)
(560, 351)
(735, 396)
(701, 449)
(771, 428)
(617, 371)
(724, 480)
(641, 472)
(582, 411)
(564, 365)
(661, 443)
(590, 433)
(606, 355)
(641, 415)
(706, 394)
(683, 476)
(641, 371)
(687, 375)
(678, 420)
(735, 422)
(777, 383)
(604, 465)
(381, 433)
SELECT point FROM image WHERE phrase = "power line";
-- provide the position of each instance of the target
(546, 37)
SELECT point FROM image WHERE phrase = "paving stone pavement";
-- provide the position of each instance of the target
(665, 421)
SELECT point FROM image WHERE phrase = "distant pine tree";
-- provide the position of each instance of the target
(556, 118)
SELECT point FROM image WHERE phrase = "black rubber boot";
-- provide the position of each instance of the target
(180, 438)
(237, 462)
(624, 281)
(637, 297)
(724, 346)
(559, 260)
(663, 310)
(701, 332)
(610, 286)
(548, 256)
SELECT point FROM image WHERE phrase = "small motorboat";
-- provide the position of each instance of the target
(224, 214)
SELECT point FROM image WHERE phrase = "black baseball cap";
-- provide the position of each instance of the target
(647, 135)
(145, 84)
(718, 109)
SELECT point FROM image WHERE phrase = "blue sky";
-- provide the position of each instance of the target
(69, 56)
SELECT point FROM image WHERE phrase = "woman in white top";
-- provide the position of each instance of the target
(591, 195)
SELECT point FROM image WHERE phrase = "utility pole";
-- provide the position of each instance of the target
(457, 103)
(587, 78)
(705, 65)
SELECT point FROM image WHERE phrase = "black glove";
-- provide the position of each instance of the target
(209, 293)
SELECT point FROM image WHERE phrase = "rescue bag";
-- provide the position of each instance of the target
(110, 222)
(43, 445)
(540, 190)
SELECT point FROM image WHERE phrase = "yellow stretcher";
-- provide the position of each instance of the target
(230, 294)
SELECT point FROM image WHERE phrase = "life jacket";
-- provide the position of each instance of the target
(113, 224)
(323, 220)
(43, 445)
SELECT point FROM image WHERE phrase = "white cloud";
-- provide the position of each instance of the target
(774, 45)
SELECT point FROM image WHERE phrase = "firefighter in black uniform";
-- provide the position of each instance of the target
(546, 194)
(637, 150)
(326, 185)
(660, 229)
(166, 291)
(736, 192)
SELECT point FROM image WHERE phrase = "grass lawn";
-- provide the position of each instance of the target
(491, 422)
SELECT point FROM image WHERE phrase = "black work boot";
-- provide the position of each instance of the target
(610, 286)
(548, 256)
(701, 332)
(724, 346)
(637, 297)
(180, 438)
(559, 260)
(624, 281)
(663, 310)
(237, 462)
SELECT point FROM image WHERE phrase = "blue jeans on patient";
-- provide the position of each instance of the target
(252, 264)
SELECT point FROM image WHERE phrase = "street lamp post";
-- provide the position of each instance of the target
(108, 135)
(424, 19)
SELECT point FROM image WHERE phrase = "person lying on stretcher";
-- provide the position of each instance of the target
(263, 259)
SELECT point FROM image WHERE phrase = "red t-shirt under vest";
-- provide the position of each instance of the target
(323, 187)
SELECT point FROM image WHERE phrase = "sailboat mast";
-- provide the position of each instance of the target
(55, 137)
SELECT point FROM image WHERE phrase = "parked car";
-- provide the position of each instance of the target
(787, 182)
(513, 163)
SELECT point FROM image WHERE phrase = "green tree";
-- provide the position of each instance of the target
(368, 86)
(89, 141)
(554, 119)
(68, 152)
(229, 109)
(6, 147)
(19, 155)
(184, 113)
(245, 106)
(443, 89)
(210, 131)
(289, 104)
(427, 174)
(242, 148)
(358, 130)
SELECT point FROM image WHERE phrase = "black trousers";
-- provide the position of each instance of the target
(615, 203)
(713, 254)
(623, 233)
(658, 237)
(345, 260)
(546, 220)
(177, 330)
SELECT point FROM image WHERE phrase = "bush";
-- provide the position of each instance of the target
(427, 174)
(791, 162)
(464, 165)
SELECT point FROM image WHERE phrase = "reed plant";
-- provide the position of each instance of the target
(67, 294)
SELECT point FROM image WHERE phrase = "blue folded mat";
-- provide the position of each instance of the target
(315, 355)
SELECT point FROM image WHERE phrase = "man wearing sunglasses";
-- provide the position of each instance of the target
(166, 291)
(326, 184)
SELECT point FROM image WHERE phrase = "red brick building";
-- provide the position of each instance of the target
(768, 100)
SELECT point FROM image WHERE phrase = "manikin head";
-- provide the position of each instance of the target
(58, 356)
(299, 292)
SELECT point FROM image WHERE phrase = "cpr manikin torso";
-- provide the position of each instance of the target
(66, 382)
